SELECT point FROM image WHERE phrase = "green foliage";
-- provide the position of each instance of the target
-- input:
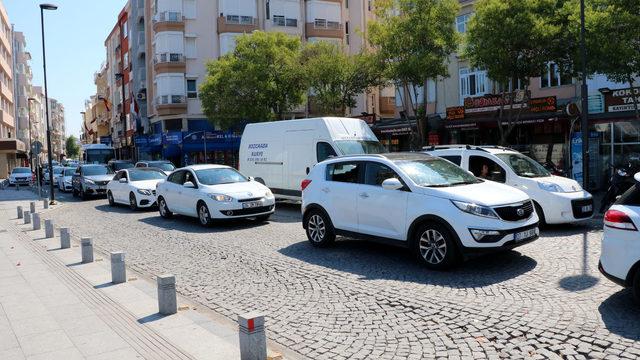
(261, 80)
(73, 150)
(337, 78)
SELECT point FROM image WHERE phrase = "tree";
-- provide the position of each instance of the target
(512, 40)
(261, 80)
(73, 150)
(336, 78)
(413, 39)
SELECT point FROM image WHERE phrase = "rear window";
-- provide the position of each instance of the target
(348, 172)
(631, 197)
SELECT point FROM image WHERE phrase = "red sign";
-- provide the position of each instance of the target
(455, 113)
(544, 104)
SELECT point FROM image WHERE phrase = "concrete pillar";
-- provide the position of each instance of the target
(167, 302)
(118, 268)
(48, 228)
(253, 340)
(36, 221)
(32, 207)
(86, 245)
(19, 212)
(65, 238)
(45, 203)
(27, 217)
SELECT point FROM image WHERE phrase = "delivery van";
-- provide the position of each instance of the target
(280, 154)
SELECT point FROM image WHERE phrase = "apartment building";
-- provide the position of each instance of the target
(22, 91)
(10, 147)
(57, 127)
(38, 123)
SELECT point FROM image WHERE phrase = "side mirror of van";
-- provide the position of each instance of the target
(392, 184)
(251, 178)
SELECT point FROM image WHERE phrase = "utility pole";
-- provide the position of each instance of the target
(584, 114)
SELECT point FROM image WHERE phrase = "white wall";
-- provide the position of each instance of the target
(170, 84)
(169, 42)
(239, 7)
(329, 11)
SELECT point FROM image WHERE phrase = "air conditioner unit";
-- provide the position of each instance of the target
(141, 96)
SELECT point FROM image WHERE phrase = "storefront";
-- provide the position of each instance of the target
(12, 152)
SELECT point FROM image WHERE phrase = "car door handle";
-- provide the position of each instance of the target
(364, 195)
(325, 190)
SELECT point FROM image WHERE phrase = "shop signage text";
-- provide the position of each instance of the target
(622, 99)
(492, 103)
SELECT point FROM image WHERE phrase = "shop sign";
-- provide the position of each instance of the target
(141, 140)
(434, 139)
(455, 113)
(543, 104)
(622, 99)
(106, 140)
(396, 131)
(155, 139)
(173, 137)
(489, 103)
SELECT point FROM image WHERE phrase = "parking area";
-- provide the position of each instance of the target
(363, 300)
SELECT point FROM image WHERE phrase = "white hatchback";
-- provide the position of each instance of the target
(557, 199)
(620, 255)
(425, 203)
(211, 192)
(64, 179)
(135, 187)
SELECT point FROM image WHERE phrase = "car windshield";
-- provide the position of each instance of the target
(355, 147)
(57, 170)
(142, 175)
(219, 176)
(523, 165)
(122, 165)
(21, 170)
(69, 171)
(96, 170)
(165, 166)
(436, 173)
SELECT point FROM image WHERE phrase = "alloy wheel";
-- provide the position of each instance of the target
(203, 214)
(433, 247)
(316, 228)
(163, 207)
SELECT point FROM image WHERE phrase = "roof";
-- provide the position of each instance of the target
(493, 149)
(205, 166)
(394, 156)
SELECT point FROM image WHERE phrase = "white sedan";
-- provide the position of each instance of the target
(620, 255)
(134, 187)
(64, 179)
(211, 192)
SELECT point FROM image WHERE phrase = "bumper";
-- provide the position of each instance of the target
(95, 189)
(614, 279)
(507, 242)
(145, 201)
(560, 208)
(19, 181)
(620, 251)
(235, 210)
(464, 223)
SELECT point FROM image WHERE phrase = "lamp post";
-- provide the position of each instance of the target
(29, 100)
(584, 115)
(120, 76)
(204, 142)
(44, 7)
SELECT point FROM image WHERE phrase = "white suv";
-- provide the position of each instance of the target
(428, 204)
(620, 256)
(557, 199)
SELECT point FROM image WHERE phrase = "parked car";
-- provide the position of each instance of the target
(20, 176)
(91, 180)
(165, 165)
(211, 192)
(57, 171)
(425, 203)
(64, 180)
(620, 253)
(556, 199)
(280, 154)
(135, 187)
(117, 165)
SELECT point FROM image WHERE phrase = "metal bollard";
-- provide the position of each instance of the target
(48, 228)
(32, 207)
(45, 203)
(86, 245)
(27, 217)
(167, 302)
(65, 238)
(253, 340)
(118, 268)
(19, 212)
(36, 221)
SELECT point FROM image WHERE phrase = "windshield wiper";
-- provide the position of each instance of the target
(437, 185)
(464, 183)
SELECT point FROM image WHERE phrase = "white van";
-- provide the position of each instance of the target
(280, 154)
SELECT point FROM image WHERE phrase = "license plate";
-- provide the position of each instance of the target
(587, 208)
(251, 204)
(525, 234)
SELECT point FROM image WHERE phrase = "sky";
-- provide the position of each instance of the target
(74, 36)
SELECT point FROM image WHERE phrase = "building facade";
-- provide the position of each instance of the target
(22, 77)
(56, 119)
(10, 147)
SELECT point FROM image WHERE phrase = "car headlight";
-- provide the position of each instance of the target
(145, 192)
(221, 197)
(550, 187)
(268, 194)
(89, 181)
(475, 209)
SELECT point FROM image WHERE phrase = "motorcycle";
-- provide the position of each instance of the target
(621, 180)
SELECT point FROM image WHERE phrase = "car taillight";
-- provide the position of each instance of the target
(619, 220)
(305, 183)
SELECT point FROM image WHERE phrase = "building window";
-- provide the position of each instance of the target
(462, 23)
(346, 4)
(190, 48)
(472, 83)
(512, 85)
(192, 90)
(278, 20)
(125, 29)
(551, 77)
(126, 59)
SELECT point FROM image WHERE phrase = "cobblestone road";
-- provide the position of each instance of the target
(359, 300)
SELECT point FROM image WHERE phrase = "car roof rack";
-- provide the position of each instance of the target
(453, 146)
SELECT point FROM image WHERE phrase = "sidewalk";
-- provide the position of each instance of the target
(54, 307)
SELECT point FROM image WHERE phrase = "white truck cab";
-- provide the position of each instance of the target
(557, 199)
(280, 154)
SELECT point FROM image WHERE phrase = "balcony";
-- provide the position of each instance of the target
(169, 63)
(171, 104)
(324, 29)
(168, 21)
(237, 24)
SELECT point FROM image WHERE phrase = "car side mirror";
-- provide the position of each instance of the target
(251, 178)
(637, 177)
(471, 173)
(392, 184)
(123, 181)
(189, 185)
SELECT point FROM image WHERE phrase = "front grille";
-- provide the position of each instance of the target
(515, 212)
(250, 199)
(153, 192)
(250, 211)
(576, 207)
(102, 183)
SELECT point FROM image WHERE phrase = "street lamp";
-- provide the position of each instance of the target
(204, 142)
(29, 100)
(44, 7)
(584, 115)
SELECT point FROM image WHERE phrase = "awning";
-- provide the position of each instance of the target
(12, 146)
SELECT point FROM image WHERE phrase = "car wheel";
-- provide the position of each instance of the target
(540, 213)
(320, 231)
(636, 287)
(133, 202)
(435, 246)
(110, 198)
(203, 214)
(163, 208)
(263, 218)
